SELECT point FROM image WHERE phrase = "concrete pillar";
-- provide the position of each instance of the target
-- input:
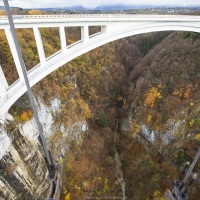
(14, 52)
(3, 83)
(39, 44)
(6, 117)
(62, 38)
(103, 29)
(84, 33)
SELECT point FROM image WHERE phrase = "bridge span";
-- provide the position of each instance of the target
(113, 27)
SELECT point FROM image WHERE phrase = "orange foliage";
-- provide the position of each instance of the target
(35, 12)
(2, 12)
(27, 115)
(67, 197)
(183, 92)
(187, 92)
(151, 97)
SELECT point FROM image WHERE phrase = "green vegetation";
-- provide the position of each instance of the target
(191, 35)
(151, 40)
(102, 120)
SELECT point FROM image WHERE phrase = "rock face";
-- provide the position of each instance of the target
(23, 173)
(5, 143)
(22, 167)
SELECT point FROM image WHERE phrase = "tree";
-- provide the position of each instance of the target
(151, 97)
(27, 115)
(35, 12)
(102, 120)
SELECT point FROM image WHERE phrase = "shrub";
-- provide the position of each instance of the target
(151, 97)
(102, 120)
(27, 115)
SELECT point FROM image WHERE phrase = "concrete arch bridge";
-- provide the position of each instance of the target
(113, 27)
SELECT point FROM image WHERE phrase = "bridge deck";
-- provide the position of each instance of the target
(99, 17)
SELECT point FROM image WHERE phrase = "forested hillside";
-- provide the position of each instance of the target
(150, 80)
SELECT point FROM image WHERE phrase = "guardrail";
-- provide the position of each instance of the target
(16, 17)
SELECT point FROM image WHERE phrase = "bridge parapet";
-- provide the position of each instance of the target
(100, 17)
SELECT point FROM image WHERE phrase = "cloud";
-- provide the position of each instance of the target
(92, 3)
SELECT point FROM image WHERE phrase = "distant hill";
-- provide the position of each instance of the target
(79, 7)
(129, 7)
(122, 7)
(66, 8)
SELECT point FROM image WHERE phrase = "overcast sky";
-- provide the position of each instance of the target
(94, 3)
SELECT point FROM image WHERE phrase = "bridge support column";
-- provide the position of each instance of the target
(4, 84)
(62, 38)
(103, 29)
(84, 33)
(14, 52)
(5, 117)
(39, 45)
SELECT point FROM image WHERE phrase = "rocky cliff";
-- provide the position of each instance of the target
(22, 167)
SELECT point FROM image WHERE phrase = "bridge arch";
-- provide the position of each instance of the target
(113, 32)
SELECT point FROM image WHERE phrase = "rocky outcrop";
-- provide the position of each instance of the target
(23, 173)
(22, 167)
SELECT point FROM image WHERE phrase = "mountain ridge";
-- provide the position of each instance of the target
(113, 7)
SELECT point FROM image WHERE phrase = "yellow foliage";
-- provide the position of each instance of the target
(72, 103)
(60, 161)
(67, 197)
(191, 123)
(158, 196)
(191, 103)
(159, 96)
(135, 128)
(86, 110)
(92, 94)
(77, 187)
(64, 190)
(27, 115)
(85, 185)
(151, 96)
(70, 41)
(149, 117)
(35, 12)
(198, 136)
(175, 93)
(105, 186)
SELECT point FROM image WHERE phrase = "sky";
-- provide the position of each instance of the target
(94, 3)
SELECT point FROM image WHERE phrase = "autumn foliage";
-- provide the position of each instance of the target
(35, 12)
(184, 91)
(151, 96)
(27, 115)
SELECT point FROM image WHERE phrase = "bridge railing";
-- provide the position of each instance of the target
(16, 17)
